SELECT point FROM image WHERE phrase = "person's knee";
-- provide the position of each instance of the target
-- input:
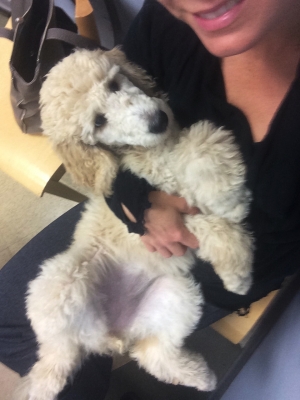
(18, 348)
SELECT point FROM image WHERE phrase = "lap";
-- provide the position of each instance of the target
(18, 345)
(215, 293)
(17, 340)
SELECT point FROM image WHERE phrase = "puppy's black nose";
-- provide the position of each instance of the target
(159, 122)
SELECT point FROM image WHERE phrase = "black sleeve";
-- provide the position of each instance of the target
(133, 193)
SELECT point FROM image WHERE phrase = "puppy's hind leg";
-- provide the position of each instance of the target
(169, 313)
(49, 374)
(173, 364)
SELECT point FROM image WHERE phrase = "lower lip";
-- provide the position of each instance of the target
(222, 21)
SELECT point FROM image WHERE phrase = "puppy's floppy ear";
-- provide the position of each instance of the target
(135, 74)
(90, 166)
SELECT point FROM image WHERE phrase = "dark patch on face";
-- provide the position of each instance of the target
(147, 86)
(100, 120)
(113, 86)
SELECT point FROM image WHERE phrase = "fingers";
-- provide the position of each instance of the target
(177, 249)
(170, 249)
(166, 232)
(164, 224)
(183, 236)
(193, 211)
(179, 203)
(164, 252)
(149, 247)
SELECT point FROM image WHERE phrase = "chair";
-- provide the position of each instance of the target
(236, 327)
(28, 159)
(248, 331)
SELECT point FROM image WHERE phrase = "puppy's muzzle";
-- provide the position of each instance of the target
(159, 122)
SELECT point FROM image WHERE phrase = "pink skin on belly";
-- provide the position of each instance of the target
(121, 294)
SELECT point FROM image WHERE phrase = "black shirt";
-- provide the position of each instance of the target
(171, 53)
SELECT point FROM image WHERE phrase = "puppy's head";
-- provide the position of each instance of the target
(98, 97)
(95, 97)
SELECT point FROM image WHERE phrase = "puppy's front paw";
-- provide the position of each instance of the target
(204, 382)
(238, 284)
(207, 383)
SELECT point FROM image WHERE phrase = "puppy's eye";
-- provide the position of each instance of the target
(113, 86)
(100, 120)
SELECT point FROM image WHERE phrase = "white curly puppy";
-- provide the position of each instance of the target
(107, 293)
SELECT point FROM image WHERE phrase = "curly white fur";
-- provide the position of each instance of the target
(106, 293)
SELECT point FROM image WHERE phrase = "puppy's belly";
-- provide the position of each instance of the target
(121, 293)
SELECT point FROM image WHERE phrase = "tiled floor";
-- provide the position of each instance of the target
(23, 215)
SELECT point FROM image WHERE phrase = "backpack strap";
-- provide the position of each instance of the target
(115, 21)
(72, 38)
(60, 34)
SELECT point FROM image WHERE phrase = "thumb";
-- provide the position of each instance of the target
(189, 240)
(193, 210)
(182, 206)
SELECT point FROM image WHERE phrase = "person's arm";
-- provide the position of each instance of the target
(129, 191)
(156, 216)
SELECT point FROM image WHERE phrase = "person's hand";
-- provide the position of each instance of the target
(165, 229)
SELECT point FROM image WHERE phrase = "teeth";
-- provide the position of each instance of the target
(220, 11)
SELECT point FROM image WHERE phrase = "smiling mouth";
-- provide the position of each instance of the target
(219, 10)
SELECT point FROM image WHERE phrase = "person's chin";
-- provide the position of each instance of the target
(227, 46)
